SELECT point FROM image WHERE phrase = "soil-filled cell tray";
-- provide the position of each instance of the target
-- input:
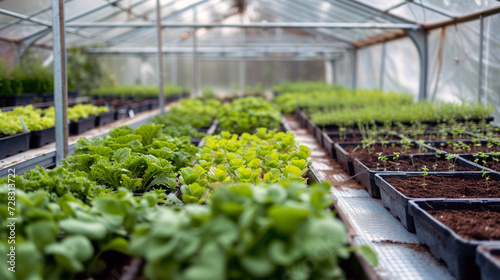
(40, 138)
(396, 190)
(14, 144)
(490, 162)
(434, 135)
(416, 163)
(488, 260)
(453, 229)
(347, 152)
(465, 147)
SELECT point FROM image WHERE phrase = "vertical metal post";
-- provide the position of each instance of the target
(419, 38)
(173, 70)
(334, 71)
(243, 64)
(159, 57)
(382, 66)
(354, 69)
(328, 71)
(195, 57)
(60, 80)
(481, 91)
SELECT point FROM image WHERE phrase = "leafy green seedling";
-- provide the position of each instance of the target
(383, 159)
(396, 159)
(434, 167)
(451, 158)
(426, 172)
(487, 178)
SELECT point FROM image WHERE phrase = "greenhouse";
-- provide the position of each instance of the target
(250, 139)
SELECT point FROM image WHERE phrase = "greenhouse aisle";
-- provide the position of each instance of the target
(400, 255)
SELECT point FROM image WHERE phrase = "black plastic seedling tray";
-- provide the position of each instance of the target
(488, 260)
(14, 144)
(43, 137)
(80, 126)
(458, 253)
(366, 176)
(397, 202)
(105, 118)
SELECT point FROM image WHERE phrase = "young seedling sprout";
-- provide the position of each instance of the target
(425, 170)
(451, 158)
(342, 133)
(434, 166)
(482, 156)
(382, 158)
(396, 159)
(487, 178)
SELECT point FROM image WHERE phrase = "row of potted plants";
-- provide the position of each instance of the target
(440, 178)
(264, 231)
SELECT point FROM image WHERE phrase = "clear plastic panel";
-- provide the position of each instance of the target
(491, 81)
(454, 63)
(369, 67)
(402, 68)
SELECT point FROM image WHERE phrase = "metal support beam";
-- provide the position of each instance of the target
(334, 71)
(382, 66)
(60, 80)
(419, 38)
(215, 50)
(159, 57)
(331, 25)
(133, 33)
(42, 22)
(481, 91)
(243, 64)
(195, 57)
(9, 24)
(354, 69)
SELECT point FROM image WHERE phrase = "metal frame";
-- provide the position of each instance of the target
(159, 54)
(60, 81)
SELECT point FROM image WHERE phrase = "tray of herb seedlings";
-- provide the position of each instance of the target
(347, 152)
(453, 229)
(396, 190)
(437, 162)
(487, 161)
(466, 146)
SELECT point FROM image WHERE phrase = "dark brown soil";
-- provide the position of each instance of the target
(371, 154)
(440, 137)
(480, 224)
(359, 138)
(445, 187)
(470, 149)
(412, 164)
(415, 246)
(490, 163)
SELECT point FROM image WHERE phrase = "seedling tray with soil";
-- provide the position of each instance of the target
(488, 260)
(396, 190)
(14, 144)
(465, 147)
(490, 162)
(347, 152)
(434, 135)
(453, 229)
(42, 137)
(412, 163)
(82, 125)
(105, 118)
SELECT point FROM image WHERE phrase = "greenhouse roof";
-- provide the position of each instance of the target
(317, 26)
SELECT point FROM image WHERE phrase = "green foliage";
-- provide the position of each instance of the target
(248, 114)
(266, 156)
(30, 76)
(258, 232)
(190, 112)
(83, 111)
(136, 92)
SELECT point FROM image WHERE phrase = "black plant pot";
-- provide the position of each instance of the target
(105, 118)
(488, 260)
(445, 244)
(121, 114)
(42, 137)
(82, 125)
(14, 144)
(46, 97)
(73, 93)
(17, 100)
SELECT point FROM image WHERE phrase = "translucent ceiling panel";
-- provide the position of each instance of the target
(381, 4)
(401, 67)
(491, 82)
(419, 13)
(454, 63)
(28, 7)
(461, 7)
